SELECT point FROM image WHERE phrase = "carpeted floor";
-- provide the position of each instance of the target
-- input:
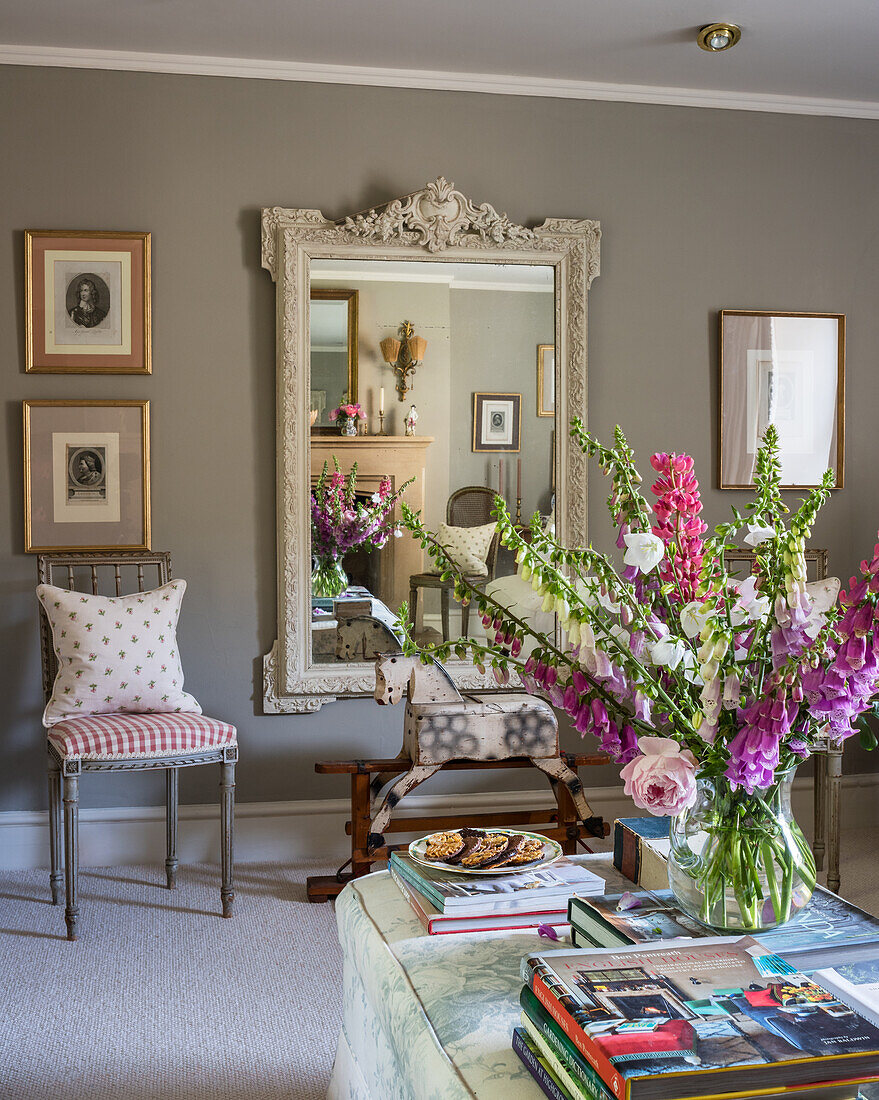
(162, 998)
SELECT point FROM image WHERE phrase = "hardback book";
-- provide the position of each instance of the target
(436, 923)
(538, 1066)
(555, 1064)
(713, 1017)
(822, 934)
(571, 1067)
(544, 889)
(856, 984)
(640, 850)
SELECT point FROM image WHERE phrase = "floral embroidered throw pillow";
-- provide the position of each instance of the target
(115, 654)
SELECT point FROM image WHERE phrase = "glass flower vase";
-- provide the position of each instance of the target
(328, 578)
(739, 862)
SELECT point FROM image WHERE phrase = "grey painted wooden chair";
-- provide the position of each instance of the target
(467, 507)
(89, 570)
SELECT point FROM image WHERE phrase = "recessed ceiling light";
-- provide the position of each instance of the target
(718, 36)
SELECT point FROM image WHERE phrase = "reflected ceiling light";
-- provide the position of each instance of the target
(718, 36)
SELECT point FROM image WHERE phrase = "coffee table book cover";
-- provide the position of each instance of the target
(856, 984)
(527, 891)
(821, 935)
(700, 1018)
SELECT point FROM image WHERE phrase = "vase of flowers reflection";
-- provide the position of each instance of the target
(347, 416)
(343, 520)
(708, 688)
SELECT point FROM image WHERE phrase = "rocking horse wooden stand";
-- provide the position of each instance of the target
(445, 730)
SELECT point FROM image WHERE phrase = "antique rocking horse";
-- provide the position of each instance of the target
(441, 725)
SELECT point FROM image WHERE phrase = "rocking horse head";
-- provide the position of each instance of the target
(396, 674)
(392, 672)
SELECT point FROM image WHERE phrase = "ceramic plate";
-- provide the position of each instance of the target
(551, 852)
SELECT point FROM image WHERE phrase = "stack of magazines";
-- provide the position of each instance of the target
(718, 1017)
(446, 901)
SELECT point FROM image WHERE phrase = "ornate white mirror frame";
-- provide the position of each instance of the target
(437, 223)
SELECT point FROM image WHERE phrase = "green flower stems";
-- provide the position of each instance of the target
(751, 850)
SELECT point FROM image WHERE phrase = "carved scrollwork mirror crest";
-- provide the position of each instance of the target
(437, 222)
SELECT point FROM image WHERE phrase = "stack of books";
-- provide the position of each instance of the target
(828, 932)
(715, 1017)
(640, 850)
(448, 902)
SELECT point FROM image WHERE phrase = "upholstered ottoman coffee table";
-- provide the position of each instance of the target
(430, 1017)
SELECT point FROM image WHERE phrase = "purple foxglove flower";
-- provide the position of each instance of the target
(583, 723)
(628, 745)
(862, 621)
(599, 713)
(642, 707)
(851, 655)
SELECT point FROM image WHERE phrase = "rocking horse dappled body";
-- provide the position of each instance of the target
(441, 726)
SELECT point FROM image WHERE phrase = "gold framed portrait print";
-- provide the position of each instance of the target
(86, 475)
(87, 302)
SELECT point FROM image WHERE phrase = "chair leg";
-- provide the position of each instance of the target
(465, 620)
(56, 875)
(444, 612)
(834, 777)
(71, 851)
(413, 608)
(227, 816)
(171, 803)
(818, 845)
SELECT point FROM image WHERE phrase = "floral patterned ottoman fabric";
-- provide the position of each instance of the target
(115, 654)
(442, 1007)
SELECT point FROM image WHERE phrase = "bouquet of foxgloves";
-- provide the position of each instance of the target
(686, 674)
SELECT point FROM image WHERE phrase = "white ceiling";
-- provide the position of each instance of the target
(822, 55)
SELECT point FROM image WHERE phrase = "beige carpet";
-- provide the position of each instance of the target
(162, 998)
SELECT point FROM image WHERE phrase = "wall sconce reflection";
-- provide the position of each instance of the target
(404, 356)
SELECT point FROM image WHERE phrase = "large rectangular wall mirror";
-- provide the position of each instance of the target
(482, 295)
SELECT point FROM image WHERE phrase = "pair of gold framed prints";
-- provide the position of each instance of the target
(86, 462)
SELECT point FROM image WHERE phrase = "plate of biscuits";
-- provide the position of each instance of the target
(484, 851)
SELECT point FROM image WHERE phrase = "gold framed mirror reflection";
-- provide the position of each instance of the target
(333, 336)
(431, 230)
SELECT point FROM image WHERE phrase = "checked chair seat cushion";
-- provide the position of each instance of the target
(127, 736)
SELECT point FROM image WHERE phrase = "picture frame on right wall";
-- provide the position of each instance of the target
(497, 421)
(546, 379)
(785, 369)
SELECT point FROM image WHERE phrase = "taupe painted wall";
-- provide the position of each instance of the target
(699, 209)
(494, 349)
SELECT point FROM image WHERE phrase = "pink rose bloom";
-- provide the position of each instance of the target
(663, 779)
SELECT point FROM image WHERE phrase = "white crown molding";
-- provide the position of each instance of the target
(315, 828)
(490, 83)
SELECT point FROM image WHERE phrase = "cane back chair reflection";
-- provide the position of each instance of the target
(467, 507)
(79, 745)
